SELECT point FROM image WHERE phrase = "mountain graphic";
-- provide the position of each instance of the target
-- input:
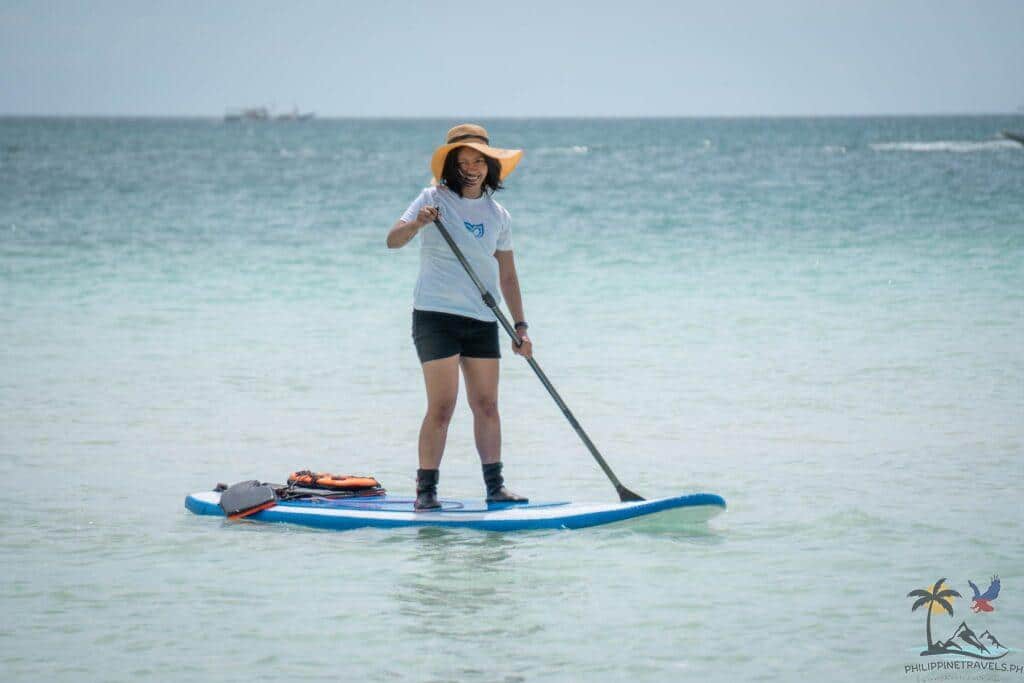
(992, 639)
(964, 634)
(965, 642)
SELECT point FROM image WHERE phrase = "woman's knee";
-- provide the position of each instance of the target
(486, 407)
(440, 412)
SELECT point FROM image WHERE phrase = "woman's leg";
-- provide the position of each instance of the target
(441, 377)
(482, 387)
(482, 390)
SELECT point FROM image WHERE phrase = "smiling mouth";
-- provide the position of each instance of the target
(471, 179)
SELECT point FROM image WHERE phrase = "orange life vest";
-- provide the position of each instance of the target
(334, 482)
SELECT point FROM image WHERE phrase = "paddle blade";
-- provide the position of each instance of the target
(627, 496)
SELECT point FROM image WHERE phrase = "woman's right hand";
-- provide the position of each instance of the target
(426, 215)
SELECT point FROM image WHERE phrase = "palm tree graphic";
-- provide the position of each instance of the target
(937, 596)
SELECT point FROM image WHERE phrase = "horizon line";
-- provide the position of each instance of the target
(575, 117)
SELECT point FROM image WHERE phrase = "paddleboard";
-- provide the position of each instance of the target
(391, 512)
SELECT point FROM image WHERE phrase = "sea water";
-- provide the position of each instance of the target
(822, 320)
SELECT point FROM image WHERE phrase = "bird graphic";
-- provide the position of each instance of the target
(982, 602)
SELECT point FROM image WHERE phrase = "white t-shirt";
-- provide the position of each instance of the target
(479, 227)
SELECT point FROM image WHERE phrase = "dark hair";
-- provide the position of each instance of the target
(451, 178)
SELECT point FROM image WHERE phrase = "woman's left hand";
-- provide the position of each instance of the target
(526, 348)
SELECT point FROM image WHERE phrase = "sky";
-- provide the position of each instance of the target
(399, 58)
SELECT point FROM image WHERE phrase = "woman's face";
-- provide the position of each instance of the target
(473, 168)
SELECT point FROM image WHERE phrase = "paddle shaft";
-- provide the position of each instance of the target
(624, 493)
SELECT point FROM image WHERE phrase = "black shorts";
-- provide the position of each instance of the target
(440, 335)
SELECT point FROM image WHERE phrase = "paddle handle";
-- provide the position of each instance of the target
(625, 495)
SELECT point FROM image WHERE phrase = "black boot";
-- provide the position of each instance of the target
(496, 491)
(426, 490)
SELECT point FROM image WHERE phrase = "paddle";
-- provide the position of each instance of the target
(625, 495)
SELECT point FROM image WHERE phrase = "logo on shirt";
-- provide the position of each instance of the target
(476, 228)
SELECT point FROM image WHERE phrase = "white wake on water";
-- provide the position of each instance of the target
(945, 146)
(574, 149)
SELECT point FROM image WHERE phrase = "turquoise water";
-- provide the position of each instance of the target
(819, 319)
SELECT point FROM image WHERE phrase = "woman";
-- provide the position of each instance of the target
(451, 325)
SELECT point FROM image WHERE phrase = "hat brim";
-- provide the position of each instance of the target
(508, 158)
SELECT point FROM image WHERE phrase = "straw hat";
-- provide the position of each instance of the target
(472, 135)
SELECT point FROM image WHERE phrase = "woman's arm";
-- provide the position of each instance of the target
(513, 297)
(402, 231)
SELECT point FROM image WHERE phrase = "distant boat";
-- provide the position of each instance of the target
(250, 114)
(1016, 137)
(295, 115)
(263, 114)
